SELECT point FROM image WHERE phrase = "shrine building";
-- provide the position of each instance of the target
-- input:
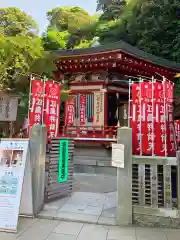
(98, 78)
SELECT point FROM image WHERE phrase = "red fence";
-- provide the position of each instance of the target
(88, 131)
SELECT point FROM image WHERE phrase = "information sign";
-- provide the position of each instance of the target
(118, 155)
(13, 154)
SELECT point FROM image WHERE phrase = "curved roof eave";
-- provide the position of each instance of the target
(124, 47)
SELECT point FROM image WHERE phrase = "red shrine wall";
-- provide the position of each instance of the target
(90, 103)
(86, 108)
(89, 100)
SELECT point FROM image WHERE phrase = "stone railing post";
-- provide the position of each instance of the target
(124, 179)
(37, 156)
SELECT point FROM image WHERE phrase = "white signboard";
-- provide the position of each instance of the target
(8, 108)
(13, 154)
(118, 155)
(98, 109)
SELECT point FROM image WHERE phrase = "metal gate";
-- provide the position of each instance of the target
(154, 182)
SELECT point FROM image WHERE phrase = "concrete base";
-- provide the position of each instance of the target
(93, 158)
(144, 220)
(93, 169)
(149, 217)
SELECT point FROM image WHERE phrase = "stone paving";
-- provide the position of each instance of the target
(84, 207)
(93, 200)
(44, 229)
(95, 183)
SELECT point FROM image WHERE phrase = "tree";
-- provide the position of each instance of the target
(82, 37)
(22, 53)
(112, 9)
(15, 22)
(157, 27)
(68, 19)
(73, 20)
(150, 25)
(109, 32)
(17, 55)
(54, 40)
(21, 50)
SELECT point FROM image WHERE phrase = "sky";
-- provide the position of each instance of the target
(38, 8)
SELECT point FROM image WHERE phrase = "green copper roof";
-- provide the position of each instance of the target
(124, 47)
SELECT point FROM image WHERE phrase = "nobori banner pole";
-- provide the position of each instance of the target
(30, 94)
(175, 139)
(153, 118)
(129, 104)
(44, 96)
(140, 116)
(165, 118)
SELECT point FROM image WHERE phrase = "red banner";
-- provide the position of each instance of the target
(146, 118)
(70, 111)
(82, 110)
(135, 119)
(52, 108)
(36, 103)
(177, 129)
(152, 119)
(160, 132)
(171, 135)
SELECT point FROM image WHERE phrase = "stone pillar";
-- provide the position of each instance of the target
(124, 179)
(37, 156)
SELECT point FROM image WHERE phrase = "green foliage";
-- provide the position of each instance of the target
(21, 50)
(84, 44)
(177, 88)
(23, 109)
(19, 47)
(16, 57)
(75, 22)
(107, 31)
(68, 19)
(112, 9)
(82, 36)
(54, 40)
(150, 25)
(15, 22)
(44, 66)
